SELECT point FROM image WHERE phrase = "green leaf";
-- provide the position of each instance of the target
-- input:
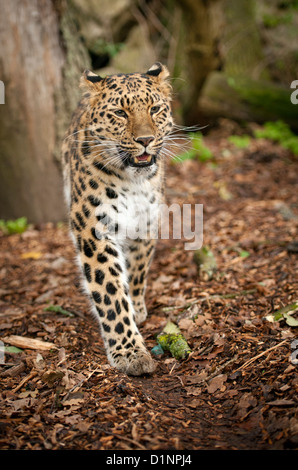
(199, 149)
(240, 141)
(189, 155)
(12, 349)
(206, 262)
(278, 314)
(171, 329)
(58, 309)
(279, 132)
(285, 313)
(14, 226)
(291, 321)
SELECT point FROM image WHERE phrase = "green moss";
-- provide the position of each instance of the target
(245, 100)
(198, 151)
(175, 344)
(100, 46)
(13, 226)
(279, 132)
(240, 142)
(272, 99)
(172, 340)
(272, 21)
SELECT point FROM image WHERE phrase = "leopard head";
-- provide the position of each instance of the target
(129, 116)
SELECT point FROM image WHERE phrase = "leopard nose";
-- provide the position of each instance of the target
(145, 140)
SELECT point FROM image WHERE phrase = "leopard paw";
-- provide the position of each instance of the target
(135, 361)
(140, 315)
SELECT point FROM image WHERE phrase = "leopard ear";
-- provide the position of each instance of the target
(158, 70)
(160, 74)
(91, 81)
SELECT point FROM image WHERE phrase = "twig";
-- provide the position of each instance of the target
(219, 369)
(253, 359)
(207, 297)
(26, 379)
(15, 370)
(24, 342)
(80, 383)
(123, 438)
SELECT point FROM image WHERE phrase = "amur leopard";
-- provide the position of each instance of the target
(113, 166)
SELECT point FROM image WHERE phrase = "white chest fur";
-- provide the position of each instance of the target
(137, 212)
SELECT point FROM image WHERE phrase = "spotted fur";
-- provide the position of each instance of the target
(113, 163)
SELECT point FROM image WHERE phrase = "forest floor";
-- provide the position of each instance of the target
(238, 387)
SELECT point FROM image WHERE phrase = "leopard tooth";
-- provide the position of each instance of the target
(148, 159)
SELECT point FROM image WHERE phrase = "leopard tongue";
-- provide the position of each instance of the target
(145, 157)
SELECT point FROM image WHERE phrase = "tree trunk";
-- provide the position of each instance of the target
(241, 41)
(202, 28)
(33, 68)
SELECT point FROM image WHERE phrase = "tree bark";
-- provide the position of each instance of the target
(202, 21)
(33, 61)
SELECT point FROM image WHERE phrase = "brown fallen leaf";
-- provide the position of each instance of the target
(73, 419)
(29, 394)
(74, 400)
(51, 377)
(246, 402)
(194, 391)
(135, 432)
(83, 426)
(22, 403)
(217, 383)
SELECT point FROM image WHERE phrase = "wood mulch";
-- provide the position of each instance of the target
(238, 387)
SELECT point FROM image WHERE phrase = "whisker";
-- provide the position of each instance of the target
(193, 128)
(80, 130)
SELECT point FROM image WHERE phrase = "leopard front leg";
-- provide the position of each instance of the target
(106, 284)
(139, 254)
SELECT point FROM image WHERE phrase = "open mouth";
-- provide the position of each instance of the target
(142, 160)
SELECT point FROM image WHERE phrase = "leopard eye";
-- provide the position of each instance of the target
(154, 109)
(120, 113)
